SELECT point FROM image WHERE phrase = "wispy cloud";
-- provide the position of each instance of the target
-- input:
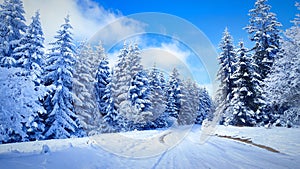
(87, 17)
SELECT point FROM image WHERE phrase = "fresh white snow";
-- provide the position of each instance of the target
(174, 148)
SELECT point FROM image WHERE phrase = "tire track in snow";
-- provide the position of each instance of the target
(249, 141)
(162, 138)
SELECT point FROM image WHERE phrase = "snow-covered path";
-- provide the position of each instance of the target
(154, 149)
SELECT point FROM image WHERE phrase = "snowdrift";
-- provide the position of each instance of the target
(174, 148)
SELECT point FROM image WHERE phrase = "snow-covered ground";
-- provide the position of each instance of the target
(174, 148)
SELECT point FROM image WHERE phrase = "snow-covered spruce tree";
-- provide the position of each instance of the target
(62, 121)
(12, 26)
(83, 88)
(30, 54)
(134, 60)
(227, 58)
(189, 103)
(139, 96)
(283, 83)
(244, 93)
(121, 78)
(30, 50)
(157, 93)
(162, 80)
(111, 122)
(102, 80)
(127, 67)
(173, 104)
(19, 107)
(162, 120)
(205, 108)
(263, 29)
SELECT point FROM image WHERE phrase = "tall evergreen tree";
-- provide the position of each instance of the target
(189, 103)
(111, 121)
(134, 59)
(173, 104)
(283, 83)
(102, 80)
(244, 94)
(30, 50)
(205, 109)
(227, 58)
(263, 29)
(139, 96)
(19, 107)
(62, 121)
(127, 67)
(121, 78)
(83, 88)
(12, 26)
(157, 93)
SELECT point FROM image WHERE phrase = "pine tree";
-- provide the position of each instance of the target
(283, 83)
(134, 59)
(205, 109)
(30, 50)
(244, 93)
(12, 27)
(102, 81)
(189, 103)
(62, 121)
(157, 93)
(173, 104)
(127, 67)
(162, 120)
(227, 58)
(263, 29)
(121, 78)
(83, 88)
(110, 122)
(19, 107)
(139, 96)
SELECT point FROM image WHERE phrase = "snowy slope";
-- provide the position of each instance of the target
(174, 148)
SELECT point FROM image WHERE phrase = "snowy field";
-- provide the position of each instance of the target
(228, 147)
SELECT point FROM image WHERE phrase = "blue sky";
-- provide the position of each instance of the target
(209, 16)
(186, 42)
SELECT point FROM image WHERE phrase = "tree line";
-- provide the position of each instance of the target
(260, 86)
(70, 91)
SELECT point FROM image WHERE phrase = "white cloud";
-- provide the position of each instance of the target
(86, 17)
(166, 57)
(121, 29)
(168, 54)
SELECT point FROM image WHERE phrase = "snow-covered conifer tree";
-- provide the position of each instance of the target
(139, 96)
(205, 109)
(12, 26)
(62, 121)
(127, 67)
(263, 29)
(243, 101)
(189, 103)
(30, 49)
(121, 78)
(111, 122)
(19, 107)
(84, 89)
(102, 81)
(157, 93)
(173, 90)
(283, 83)
(227, 58)
(134, 59)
